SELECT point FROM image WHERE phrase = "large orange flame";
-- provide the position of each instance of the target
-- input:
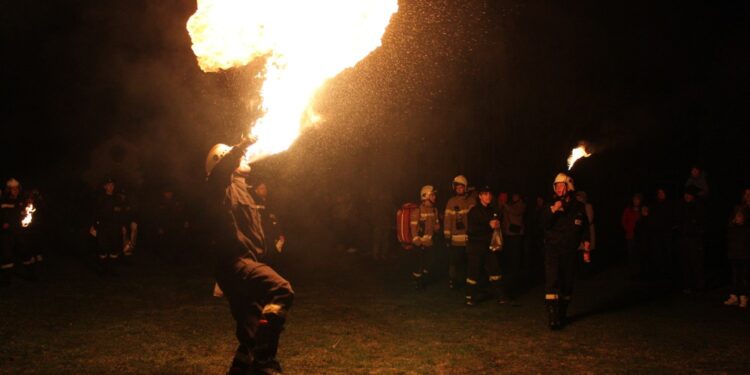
(305, 43)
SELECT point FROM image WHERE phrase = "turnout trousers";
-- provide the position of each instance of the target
(559, 273)
(259, 299)
(479, 256)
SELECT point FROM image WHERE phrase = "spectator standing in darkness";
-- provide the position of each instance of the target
(630, 217)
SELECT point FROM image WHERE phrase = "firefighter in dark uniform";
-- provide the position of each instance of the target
(171, 224)
(270, 223)
(258, 297)
(11, 205)
(130, 220)
(483, 229)
(565, 225)
(30, 236)
(108, 226)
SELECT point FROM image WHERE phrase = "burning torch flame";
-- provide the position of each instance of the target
(304, 43)
(29, 215)
(577, 153)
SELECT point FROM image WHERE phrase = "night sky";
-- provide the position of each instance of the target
(497, 90)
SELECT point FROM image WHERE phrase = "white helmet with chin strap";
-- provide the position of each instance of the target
(218, 152)
(426, 191)
(563, 178)
(460, 180)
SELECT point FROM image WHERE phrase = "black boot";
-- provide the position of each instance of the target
(5, 277)
(267, 345)
(241, 363)
(563, 312)
(553, 311)
(471, 295)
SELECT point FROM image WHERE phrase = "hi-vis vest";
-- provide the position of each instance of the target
(424, 223)
(456, 211)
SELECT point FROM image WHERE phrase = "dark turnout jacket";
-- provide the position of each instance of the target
(479, 217)
(565, 229)
(692, 219)
(234, 213)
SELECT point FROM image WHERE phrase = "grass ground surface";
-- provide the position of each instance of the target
(359, 317)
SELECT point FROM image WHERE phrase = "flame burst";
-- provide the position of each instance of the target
(575, 154)
(304, 42)
(29, 212)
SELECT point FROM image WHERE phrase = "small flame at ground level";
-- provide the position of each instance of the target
(29, 212)
(304, 43)
(575, 154)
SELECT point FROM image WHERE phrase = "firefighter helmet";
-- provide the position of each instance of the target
(460, 180)
(563, 178)
(426, 191)
(12, 183)
(218, 152)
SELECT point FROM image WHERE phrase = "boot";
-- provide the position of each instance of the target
(471, 295)
(31, 272)
(5, 278)
(267, 346)
(743, 301)
(241, 363)
(733, 300)
(563, 312)
(553, 311)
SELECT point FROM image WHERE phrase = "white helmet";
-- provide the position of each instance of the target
(461, 180)
(12, 183)
(218, 152)
(562, 177)
(426, 191)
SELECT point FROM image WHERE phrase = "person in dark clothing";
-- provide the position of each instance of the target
(691, 228)
(30, 236)
(485, 238)
(662, 223)
(565, 226)
(11, 206)
(642, 236)
(738, 252)
(171, 224)
(108, 226)
(259, 298)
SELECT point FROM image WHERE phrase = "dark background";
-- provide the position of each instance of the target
(497, 90)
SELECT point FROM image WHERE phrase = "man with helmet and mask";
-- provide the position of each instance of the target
(259, 298)
(454, 230)
(424, 224)
(565, 225)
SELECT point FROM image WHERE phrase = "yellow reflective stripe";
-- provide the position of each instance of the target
(113, 256)
(102, 256)
(272, 308)
(450, 212)
(28, 262)
(416, 274)
(6, 266)
(496, 277)
(470, 281)
(460, 237)
(551, 297)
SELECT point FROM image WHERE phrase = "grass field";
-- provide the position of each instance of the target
(359, 317)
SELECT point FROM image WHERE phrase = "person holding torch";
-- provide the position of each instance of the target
(566, 228)
(259, 298)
